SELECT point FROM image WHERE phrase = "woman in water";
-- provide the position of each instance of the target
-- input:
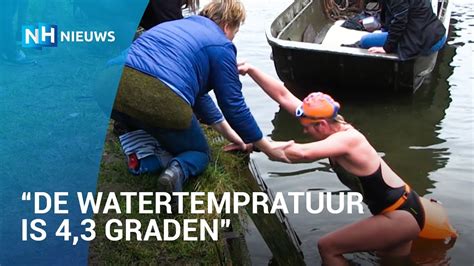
(398, 215)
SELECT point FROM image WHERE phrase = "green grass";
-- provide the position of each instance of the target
(224, 173)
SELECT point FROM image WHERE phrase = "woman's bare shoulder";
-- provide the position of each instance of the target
(350, 135)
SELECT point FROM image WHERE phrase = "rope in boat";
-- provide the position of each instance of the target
(342, 10)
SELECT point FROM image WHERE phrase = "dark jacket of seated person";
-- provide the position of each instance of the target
(412, 27)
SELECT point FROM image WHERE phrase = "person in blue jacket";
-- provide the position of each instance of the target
(170, 69)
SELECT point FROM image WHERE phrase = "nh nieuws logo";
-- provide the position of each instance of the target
(40, 35)
(47, 35)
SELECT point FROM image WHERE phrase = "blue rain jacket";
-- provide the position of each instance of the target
(193, 56)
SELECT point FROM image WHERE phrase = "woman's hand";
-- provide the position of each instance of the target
(243, 68)
(274, 150)
(377, 50)
(278, 153)
(236, 143)
(247, 148)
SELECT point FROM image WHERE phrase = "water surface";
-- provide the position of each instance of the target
(426, 138)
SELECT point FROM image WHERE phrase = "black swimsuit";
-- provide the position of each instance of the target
(378, 195)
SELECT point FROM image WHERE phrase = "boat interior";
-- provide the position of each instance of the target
(305, 21)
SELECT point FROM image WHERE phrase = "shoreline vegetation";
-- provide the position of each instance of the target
(225, 173)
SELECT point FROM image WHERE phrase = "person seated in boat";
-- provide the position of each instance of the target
(397, 211)
(410, 28)
(164, 89)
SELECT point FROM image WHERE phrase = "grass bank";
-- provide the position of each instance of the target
(225, 173)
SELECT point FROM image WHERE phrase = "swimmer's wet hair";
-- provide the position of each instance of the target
(339, 119)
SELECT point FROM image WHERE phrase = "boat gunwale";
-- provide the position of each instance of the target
(316, 47)
(295, 17)
(325, 49)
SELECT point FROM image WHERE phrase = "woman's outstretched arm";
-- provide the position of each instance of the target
(334, 145)
(274, 88)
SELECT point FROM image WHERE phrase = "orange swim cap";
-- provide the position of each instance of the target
(317, 106)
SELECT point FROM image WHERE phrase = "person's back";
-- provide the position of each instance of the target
(181, 53)
(193, 56)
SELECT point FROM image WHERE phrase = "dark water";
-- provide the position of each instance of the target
(426, 138)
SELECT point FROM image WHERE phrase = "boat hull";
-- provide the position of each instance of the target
(308, 65)
(325, 71)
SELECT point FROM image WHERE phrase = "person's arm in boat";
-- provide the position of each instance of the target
(377, 50)
(399, 10)
(398, 19)
(274, 88)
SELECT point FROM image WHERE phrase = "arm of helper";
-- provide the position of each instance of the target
(227, 132)
(224, 79)
(207, 111)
